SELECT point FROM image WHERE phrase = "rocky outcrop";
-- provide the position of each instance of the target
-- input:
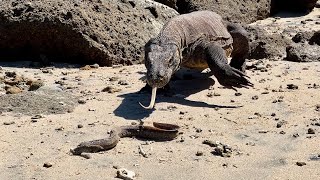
(265, 45)
(233, 10)
(105, 32)
(304, 48)
(292, 5)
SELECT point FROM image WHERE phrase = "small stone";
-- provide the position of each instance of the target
(8, 123)
(123, 82)
(47, 165)
(60, 128)
(13, 90)
(301, 163)
(311, 131)
(292, 86)
(295, 135)
(198, 130)
(37, 116)
(111, 89)
(199, 153)
(280, 124)
(123, 173)
(86, 67)
(80, 126)
(85, 155)
(35, 85)
(95, 66)
(273, 114)
(255, 97)
(237, 94)
(10, 74)
(81, 101)
(282, 132)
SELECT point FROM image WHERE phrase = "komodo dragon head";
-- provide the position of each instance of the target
(162, 60)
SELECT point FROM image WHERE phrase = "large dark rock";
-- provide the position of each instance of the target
(303, 52)
(292, 5)
(265, 45)
(315, 38)
(96, 31)
(233, 10)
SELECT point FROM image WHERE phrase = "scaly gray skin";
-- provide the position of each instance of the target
(197, 40)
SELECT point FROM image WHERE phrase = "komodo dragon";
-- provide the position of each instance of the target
(197, 40)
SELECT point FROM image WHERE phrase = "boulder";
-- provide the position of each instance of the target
(233, 10)
(92, 31)
(292, 5)
(303, 52)
(266, 45)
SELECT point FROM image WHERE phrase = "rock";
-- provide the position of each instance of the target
(81, 101)
(303, 53)
(315, 38)
(237, 94)
(281, 123)
(292, 86)
(301, 163)
(199, 153)
(86, 67)
(95, 66)
(35, 85)
(232, 10)
(13, 90)
(125, 174)
(311, 131)
(302, 37)
(255, 97)
(47, 164)
(265, 45)
(8, 123)
(111, 89)
(104, 32)
(80, 126)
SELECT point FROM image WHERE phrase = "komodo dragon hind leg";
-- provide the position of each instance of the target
(227, 76)
(240, 45)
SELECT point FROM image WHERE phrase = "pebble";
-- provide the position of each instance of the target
(199, 153)
(111, 89)
(292, 86)
(37, 116)
(80, 126)
(300, 163)
(81, 101)
(311, 131)
(95, 66)
(47, 164)
(86, 67)
(237, 94)
(255, 97)
(280, 124)
(36, 85)
(8, 123)
(126, 174)
(295, 135)
(123, 82)
(13, 90)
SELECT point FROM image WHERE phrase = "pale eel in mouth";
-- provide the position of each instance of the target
(152, 100)
(158, 132)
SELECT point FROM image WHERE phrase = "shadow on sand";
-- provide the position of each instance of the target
(131, 110)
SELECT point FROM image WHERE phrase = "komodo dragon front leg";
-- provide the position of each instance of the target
(240, 45)
(217, 61)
